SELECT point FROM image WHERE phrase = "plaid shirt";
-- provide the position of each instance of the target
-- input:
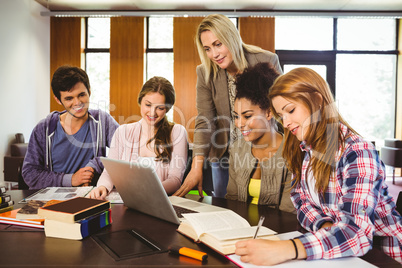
(356, 202)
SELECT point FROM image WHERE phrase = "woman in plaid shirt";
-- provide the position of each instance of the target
(338, 180)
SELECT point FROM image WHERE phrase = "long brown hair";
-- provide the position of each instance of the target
(305, 86)
(163, 141)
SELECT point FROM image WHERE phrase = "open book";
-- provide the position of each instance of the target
(58, 193)
(221, 230)
(66, 193)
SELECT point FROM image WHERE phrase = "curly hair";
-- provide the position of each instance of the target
(254, 83)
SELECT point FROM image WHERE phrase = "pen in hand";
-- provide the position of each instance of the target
(262, 218)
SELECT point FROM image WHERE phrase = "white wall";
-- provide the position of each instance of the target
(24, 70)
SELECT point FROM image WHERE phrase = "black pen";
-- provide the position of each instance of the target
(262, 218)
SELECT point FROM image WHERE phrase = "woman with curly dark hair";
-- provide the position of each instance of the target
(257, 171)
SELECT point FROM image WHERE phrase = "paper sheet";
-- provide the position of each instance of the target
(354, 262)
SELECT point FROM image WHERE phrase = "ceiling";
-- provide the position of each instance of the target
(233, 7)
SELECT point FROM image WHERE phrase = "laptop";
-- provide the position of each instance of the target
(141, 189)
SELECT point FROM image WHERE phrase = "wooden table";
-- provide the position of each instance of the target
(20, 246)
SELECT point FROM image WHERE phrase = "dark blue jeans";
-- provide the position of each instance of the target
(220, 178)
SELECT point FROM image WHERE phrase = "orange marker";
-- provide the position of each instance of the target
(192, 253)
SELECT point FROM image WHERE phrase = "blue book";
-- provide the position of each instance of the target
(80, 229)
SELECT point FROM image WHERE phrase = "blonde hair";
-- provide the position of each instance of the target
(324, 135)
(224, 29)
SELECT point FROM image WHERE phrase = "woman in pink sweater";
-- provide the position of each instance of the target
(153, 140)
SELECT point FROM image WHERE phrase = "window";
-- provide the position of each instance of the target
(303, 33)
(366, 75)
(366, 34)
(97, 61)
(366, 93)
(159, 57)
(357, 57)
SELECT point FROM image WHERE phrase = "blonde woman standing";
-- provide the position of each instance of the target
(223, 55)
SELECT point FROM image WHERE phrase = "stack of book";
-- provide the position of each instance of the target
(76, 218)
(6, 204)
(27, 215)
(10, 218)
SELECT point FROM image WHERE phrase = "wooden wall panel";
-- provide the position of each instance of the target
(126, 67)
(186, 60)
(258, 31)
(65, 47)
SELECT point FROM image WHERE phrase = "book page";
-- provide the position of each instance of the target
(206, 222)
(58, 193)
(334, 263)
(239, 233)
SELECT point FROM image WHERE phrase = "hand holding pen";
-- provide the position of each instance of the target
(262, 218)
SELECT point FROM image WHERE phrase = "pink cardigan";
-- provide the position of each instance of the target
(125, 146)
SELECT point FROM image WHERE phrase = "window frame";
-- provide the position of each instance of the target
(328, 58)
(91, 50)
(149, 50)
(311, 57)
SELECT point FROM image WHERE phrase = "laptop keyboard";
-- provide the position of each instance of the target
(181, 210)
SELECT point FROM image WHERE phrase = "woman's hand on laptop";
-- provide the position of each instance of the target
(194, 178)
(98, 193)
